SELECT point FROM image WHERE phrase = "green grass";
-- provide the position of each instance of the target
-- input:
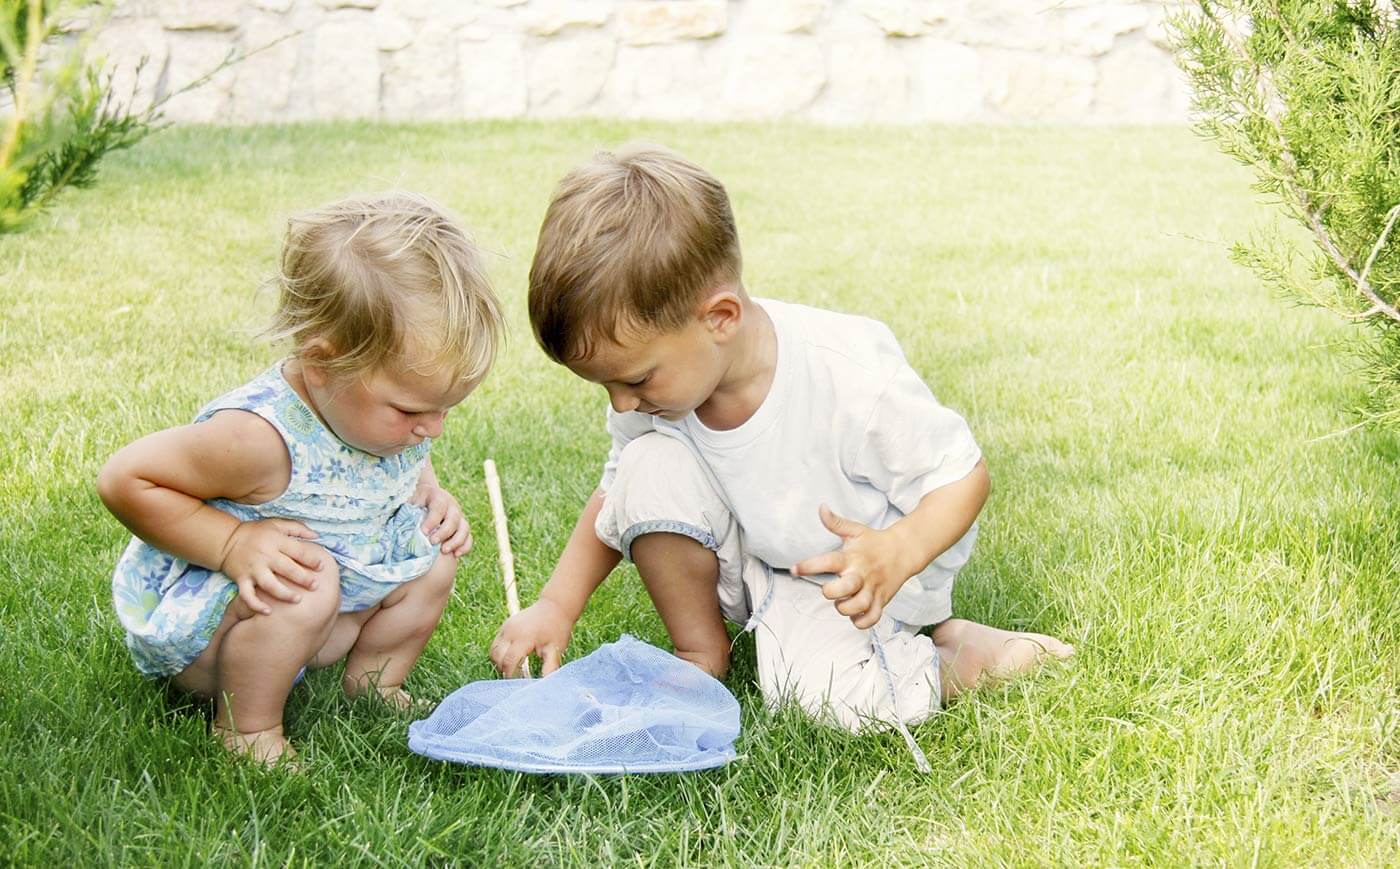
(1165, 497)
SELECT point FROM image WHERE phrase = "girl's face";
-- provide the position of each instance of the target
(385, 411)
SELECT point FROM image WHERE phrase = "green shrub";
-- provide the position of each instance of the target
(1307, 93)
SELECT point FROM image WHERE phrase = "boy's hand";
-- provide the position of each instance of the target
(870, 567)
(445, 523)
(266, 555)
(541, 628)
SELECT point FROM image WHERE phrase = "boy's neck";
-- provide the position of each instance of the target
(749, 375)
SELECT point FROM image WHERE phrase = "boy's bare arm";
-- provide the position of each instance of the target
(546, 626)
(872, 565)
(583, 565)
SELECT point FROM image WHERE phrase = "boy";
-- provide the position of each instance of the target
(776, 465)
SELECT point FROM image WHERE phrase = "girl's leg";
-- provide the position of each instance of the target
(972, 651)
(251, 661)
(391, 638)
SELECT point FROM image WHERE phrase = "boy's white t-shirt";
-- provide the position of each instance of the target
(847, 423)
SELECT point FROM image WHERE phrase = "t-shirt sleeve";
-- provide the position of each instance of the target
(912, 444)
(623, 428)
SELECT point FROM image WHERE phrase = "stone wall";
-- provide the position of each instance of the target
(842, 61)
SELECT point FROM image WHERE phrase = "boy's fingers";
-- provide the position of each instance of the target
(869, 618)
(830, 562)
(855, 604)
(841, 587)
(837, 524)
(552, 659)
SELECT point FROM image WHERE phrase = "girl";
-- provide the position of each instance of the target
(297, 521)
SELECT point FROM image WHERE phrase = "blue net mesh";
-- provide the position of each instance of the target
(626, 707)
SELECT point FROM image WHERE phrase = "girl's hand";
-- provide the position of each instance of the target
(445, 523)
(542, 628)
(266, 555)
(870, 567)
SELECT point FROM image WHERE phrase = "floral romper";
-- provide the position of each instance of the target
(356, 503)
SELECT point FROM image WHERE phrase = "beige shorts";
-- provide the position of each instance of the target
(808, 653)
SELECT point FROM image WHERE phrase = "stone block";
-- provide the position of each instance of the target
(347, 4)
(1031, 86)
(903, 17)
(566, 76)
(658, 21)
(493, 78)
(199, 14)
(660, 81)
(772, 77)
(782, 16)
(421, 80)
(948, 81)
(192, 56)
(547, 19)
(866, 81)
(262, 87)
(136, 52)
(345, 73)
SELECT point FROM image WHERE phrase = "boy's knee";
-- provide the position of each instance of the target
(660, 487)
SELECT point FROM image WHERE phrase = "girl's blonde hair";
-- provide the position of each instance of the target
(380, 276)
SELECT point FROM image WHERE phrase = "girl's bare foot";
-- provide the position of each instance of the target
(394, 695)
(972, 651)
(267, 747)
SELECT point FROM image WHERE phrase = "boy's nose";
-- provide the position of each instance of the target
(623, 402)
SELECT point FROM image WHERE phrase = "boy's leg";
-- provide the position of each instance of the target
(252, 659)
(387, 644)
(811, 655)
(664, 515)
(971, 652)
(682, 578)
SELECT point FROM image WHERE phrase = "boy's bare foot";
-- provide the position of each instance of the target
(267, 747)
(972, 651)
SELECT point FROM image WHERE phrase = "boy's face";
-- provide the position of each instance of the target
(668, 374)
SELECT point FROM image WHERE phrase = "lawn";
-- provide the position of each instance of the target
(1168, 495)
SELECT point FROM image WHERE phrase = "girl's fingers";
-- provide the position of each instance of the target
(248, 593)
(293, 528)
(289, 570)
(305, 554)
(275, 587)
(460, 538)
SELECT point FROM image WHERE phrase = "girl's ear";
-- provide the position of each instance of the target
(313, 356)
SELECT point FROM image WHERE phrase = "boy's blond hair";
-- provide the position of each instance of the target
(633, 239)
(379, 276)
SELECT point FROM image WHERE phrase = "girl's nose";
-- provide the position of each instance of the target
(431, 427)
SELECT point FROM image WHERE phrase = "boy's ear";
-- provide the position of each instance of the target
(721, 313)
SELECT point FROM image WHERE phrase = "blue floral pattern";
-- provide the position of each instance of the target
(356, 503)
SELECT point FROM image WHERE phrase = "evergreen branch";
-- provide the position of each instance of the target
(1271, 104)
